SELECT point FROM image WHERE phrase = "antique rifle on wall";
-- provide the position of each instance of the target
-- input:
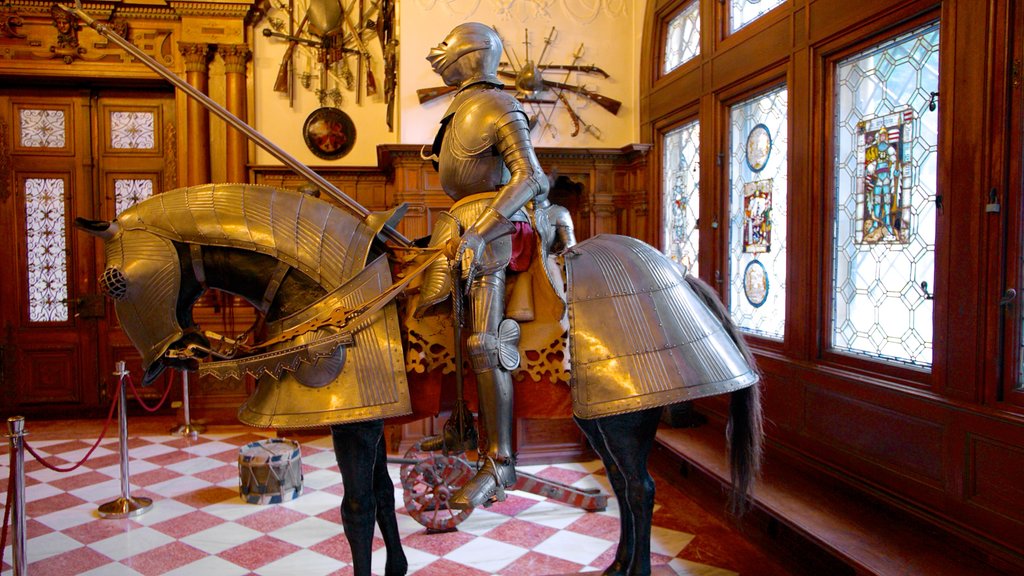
(232, 120)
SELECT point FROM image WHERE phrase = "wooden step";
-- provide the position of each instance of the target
(864, 533)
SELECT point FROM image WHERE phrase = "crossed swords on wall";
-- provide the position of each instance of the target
(536, 91)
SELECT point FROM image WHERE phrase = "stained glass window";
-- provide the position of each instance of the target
(42, 128)
(129, 192)
(681, 183)
(682, 40)
(46, 250)
(132, 130)
(757, 214)
(886, 147)
(743, 12)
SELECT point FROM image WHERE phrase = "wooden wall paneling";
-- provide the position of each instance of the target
(931, 443)
(805, 201)
(1006, 391)
(999, 269)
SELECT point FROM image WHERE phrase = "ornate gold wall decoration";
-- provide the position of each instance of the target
(9, 21)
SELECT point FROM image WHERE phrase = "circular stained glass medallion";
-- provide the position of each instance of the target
(759, 147)
(755, 283)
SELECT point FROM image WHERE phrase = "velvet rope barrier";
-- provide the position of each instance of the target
(43, 461)
(135, 393)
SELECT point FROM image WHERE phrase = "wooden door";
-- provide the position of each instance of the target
(64, 154)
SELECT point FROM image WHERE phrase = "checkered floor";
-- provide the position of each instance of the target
(199, 525)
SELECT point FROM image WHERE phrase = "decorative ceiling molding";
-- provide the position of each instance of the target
(144, 9)
(586, 11)
(460, 8)
(523, 11)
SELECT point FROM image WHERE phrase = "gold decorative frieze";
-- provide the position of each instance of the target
(212, 31)
(10, 21)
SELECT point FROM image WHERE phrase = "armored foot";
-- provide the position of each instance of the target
(487, 487)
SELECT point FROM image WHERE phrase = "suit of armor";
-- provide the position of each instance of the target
(487, 164)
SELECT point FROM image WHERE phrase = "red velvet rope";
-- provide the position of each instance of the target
(106, 424)
(159, 405)
(7, 508)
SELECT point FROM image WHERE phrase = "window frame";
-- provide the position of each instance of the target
(1008, 243)
(752, 86)
(885, 370)
(683, 117)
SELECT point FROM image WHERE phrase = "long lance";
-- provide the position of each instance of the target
(236, 123)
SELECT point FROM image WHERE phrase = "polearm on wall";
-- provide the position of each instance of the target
(232, 120)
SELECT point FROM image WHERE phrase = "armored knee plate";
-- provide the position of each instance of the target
(489, 350)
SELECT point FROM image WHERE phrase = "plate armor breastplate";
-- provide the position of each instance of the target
(469, 163)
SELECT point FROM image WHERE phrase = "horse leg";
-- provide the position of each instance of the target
(618, 482)
(627, 441)
(384, 495)
(355, 448)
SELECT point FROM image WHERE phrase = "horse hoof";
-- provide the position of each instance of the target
(616, 569)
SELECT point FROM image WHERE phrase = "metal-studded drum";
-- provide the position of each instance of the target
(269, 471)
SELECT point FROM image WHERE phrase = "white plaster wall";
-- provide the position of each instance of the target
(610, 31)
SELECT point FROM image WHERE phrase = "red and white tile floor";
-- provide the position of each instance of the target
(199, 525)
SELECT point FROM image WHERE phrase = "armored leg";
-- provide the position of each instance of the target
(494, 390)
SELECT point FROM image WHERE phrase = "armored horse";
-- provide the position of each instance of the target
(336, 344)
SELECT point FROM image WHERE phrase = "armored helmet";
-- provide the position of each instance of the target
(470, 53)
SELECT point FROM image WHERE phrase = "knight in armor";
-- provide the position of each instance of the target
(488, 166)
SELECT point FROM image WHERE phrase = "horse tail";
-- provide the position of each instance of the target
(745, 429)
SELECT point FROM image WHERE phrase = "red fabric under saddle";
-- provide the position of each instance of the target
(524, 244)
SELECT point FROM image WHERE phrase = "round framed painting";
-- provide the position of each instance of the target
(329, 133)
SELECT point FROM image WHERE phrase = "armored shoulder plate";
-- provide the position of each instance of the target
(641, 337)
(477, 117)
(322, 240)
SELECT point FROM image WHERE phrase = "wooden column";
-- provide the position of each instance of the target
(197, 59)
(235, 58)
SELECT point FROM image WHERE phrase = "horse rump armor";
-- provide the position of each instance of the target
(641, 337)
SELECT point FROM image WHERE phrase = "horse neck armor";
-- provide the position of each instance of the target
(321, 240)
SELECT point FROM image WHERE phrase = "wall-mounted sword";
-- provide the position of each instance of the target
(232, 120)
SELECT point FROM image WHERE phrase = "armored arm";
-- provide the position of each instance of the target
(527, 182)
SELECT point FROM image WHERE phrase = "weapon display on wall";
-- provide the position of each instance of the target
(259, 139)
(530, 85)
(328, 35)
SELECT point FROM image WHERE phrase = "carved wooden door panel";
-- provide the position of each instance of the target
(65, 154)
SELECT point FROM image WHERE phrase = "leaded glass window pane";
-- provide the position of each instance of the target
(132, 130)
(129, 192)
(681, 183)
(757, 214)
(682, 40)
(46, 250)
(743, 12)
(42, 128)
(885, 177)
